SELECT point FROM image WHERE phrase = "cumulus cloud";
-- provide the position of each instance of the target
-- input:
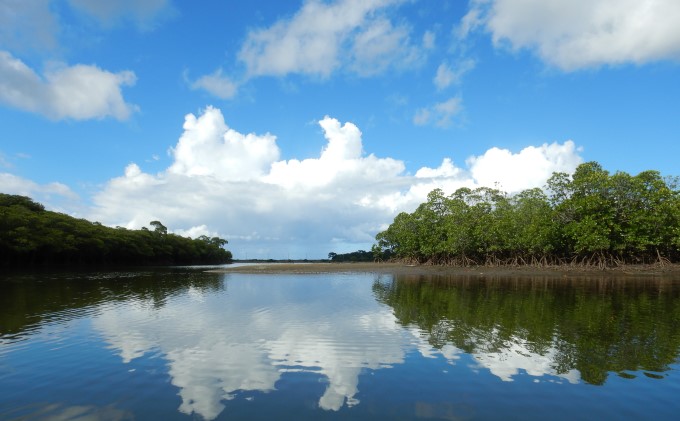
(195, 232)
(217, 85)
(235, 185)
(341, 162)
(573, 35)
(512, 171)
(323, 37)
(445, 170)
(54, 195)
(12, 184)
(209, 148)
(440, 114)
(77, 92)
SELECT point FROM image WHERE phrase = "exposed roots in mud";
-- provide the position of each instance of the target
(601, 261)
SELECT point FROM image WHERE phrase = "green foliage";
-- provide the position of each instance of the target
(7, 200)
(355, 256)
(591, 217)
(159, 228)
(30, 235)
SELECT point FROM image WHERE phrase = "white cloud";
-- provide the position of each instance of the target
(440, 114)
(4, 162)
(429, 40)
(34, 24)
(77, 92)
(422, 117)
(472, 20)
(27, 25)
(341, 162)
(142, 12)
(195, 232)
(209, 148)
(445, 170)
(447, 76)
(236, 185)
(216, 84)
(514, 172)
(323, 37)
(579, 34)
(12, 184)
(54, 195)
(381, 45)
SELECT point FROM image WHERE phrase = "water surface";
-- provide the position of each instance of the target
(181, 343)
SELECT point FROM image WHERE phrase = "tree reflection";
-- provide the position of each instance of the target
(30, 299)
(595, 326)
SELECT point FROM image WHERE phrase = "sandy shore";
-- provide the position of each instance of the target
(667, 271)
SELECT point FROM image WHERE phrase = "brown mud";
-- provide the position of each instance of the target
(670, 271)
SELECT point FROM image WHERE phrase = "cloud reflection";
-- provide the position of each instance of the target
(507, 362)
(245, 338)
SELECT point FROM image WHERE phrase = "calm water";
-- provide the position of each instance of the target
(181, 343)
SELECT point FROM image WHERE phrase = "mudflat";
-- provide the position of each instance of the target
(671, 271)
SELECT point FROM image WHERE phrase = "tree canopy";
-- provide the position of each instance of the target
(355, 256)
(591, 217)
(31, 235)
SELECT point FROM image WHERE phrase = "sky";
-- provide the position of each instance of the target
(298, 128)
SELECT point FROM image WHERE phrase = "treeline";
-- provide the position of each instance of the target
(33, 236)
(590, 218)
(355, 256)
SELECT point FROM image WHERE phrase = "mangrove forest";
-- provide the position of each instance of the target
(32, 236)
(590, 218)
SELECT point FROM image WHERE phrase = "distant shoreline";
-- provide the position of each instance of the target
(666, 271)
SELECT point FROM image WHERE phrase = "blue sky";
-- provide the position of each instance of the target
(298, 128)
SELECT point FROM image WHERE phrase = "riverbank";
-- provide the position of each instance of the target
(669, 270)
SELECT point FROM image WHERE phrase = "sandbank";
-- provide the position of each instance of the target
(671, 271)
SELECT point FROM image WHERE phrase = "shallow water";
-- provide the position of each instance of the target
(181, 343)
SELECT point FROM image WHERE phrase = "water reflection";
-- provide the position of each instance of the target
(572, 329)
(218, 345)
(57, 412)
(237, 336)
(29, 300)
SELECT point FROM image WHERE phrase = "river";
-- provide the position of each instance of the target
(182, 343)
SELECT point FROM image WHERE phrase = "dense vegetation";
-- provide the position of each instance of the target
(591, 218)
(595, 326)
(31, 235)
(355, 256)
